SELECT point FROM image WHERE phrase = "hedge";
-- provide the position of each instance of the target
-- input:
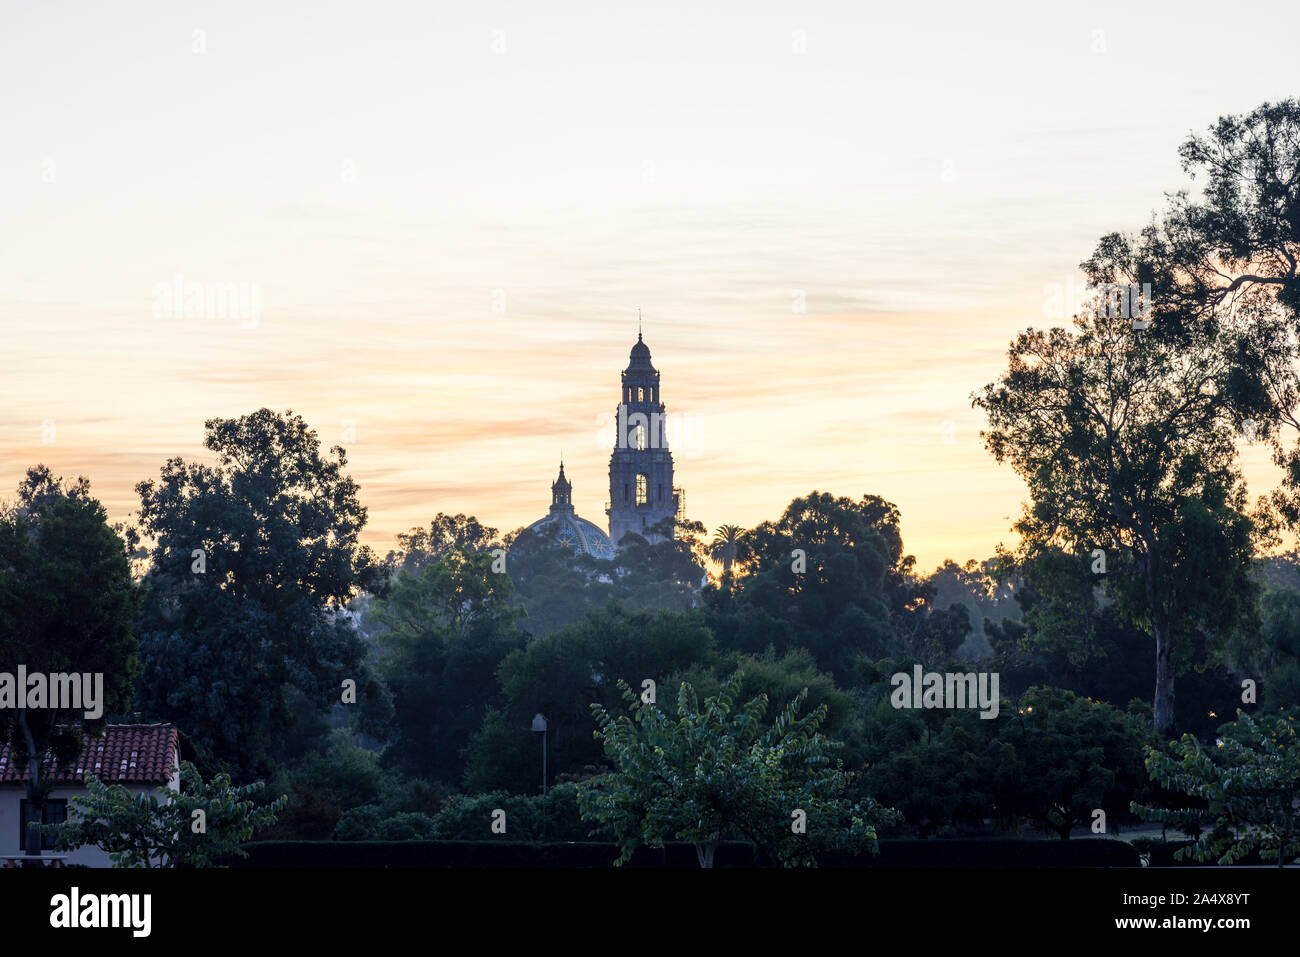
(1089, 852)
(1161, 854)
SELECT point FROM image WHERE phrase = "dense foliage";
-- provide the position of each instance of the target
(66, 602)
(1245, 790)
(716, 772)
(206, 821)
(244, 636)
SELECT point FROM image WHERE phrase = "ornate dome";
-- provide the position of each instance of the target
(568, 527)
(640, 357)
(578, 534)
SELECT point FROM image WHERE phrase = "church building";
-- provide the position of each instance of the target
(570, 529)
(641, 490)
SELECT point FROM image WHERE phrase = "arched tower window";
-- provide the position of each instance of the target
(640, 395)
(640, 437)
(641, 497)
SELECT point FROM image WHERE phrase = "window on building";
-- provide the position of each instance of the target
(640, 395)
(56, 812)
(641, 490)
(640, 437)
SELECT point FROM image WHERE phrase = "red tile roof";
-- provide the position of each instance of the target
(126, 754)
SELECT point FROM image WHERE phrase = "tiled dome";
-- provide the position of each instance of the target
(577, 533)
(568, 527)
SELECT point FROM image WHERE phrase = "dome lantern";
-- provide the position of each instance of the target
(567, 528)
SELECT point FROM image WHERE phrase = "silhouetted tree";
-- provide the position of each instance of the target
(244, 635)
(66, 601)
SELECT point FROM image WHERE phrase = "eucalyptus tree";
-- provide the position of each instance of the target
(1125, 438)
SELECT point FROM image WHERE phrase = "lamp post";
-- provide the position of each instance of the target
(539, 725)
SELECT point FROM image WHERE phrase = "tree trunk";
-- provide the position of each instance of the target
(705, 853)
(35, 813)
(1164, 697)
(1163, 702)
(35, 793)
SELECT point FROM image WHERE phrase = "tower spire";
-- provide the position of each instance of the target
(561, 492)
(638, 323)
(641, 490)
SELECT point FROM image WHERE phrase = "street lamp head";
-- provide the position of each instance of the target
(539, 723)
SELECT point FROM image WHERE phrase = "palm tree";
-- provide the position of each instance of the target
(726, 543)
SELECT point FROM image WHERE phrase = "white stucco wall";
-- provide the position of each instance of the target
(11, 795)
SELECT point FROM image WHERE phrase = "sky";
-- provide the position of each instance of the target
(434, 225)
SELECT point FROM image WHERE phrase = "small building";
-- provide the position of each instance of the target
(569, 528)
(140, 757)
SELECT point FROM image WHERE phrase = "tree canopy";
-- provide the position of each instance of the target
(1244, 790)
(717, 772)
(199, 826)
(66, 603)
(1127, 448)
(244, 637)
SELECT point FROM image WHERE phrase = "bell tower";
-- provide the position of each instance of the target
(641, 492)
(562, 495)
